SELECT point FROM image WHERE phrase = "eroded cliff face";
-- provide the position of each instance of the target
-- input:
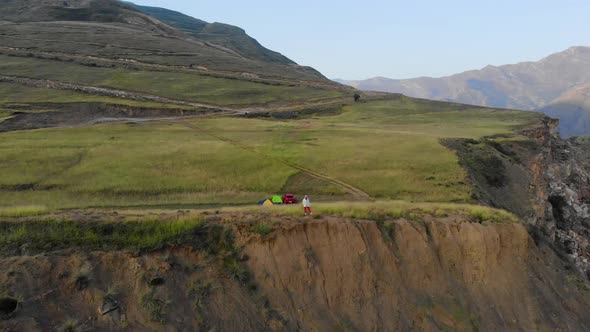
(560, 194)
(180, 289)
(404, 275)
(325, 274)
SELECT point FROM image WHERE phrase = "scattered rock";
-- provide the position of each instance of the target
(109, 304)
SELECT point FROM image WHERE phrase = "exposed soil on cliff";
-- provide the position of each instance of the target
(318, 274)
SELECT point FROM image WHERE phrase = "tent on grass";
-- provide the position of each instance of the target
(277, 200)
(265, 202)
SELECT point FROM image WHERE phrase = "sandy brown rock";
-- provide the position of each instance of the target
(326, 274)
(430, 276)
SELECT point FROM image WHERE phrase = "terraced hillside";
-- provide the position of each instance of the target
(96, 61)
(217, 33)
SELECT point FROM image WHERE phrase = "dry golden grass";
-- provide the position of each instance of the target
(23, 211)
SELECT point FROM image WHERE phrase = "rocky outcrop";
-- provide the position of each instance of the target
(568, 177)
(560, 193)
(545, 180)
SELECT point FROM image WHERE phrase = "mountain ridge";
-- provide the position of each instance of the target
(222, 34)
(211, 45)
(529, 85)
(572, 49)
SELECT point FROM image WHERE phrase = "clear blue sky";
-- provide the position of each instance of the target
(401, 39)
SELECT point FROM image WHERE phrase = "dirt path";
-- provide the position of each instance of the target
(347, 187)
(57, 119)
(140, 96)
(115, 93)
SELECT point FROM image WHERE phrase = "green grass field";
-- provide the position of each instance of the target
(184, 86)
(389, 149)
(4, 114)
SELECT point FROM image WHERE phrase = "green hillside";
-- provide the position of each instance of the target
(184, 86)
(387, 149)
(115, 30)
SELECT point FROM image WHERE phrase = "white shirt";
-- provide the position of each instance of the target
(306, 202)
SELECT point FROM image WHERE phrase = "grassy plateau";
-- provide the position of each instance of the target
(387, 149)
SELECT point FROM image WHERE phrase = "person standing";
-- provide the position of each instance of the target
(306, 205)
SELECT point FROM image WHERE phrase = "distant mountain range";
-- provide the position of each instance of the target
(558, 85)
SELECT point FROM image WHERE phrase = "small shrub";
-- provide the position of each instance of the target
(200, 290)
(233, 268)
(156, 308)
(262, 228)
(112, 291)
(414, 216)
(69, 326)
(428, 231)
(310, 255)
(387, 230)
(123, 325)
(474, 324)
(440, 213)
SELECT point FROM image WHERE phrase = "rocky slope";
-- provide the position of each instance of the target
(544, 180)
(225, 35)
(327, 274)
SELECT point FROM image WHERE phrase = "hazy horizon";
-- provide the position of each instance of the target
(396, 39)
